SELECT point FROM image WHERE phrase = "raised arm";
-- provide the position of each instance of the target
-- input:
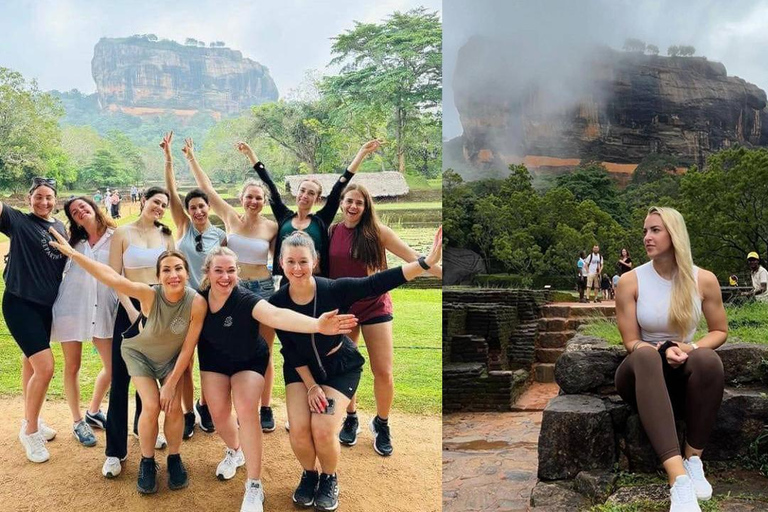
(396, 246)
(279, 209)
(328, 211)
(168, 389)
(104, 273)
(223, 209)
(177, 208)
(330, 323)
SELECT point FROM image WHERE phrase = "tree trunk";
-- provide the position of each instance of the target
(400, 137)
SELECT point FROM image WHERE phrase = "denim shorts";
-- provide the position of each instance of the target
(262, 287)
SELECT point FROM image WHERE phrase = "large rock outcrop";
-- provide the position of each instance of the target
(142, 77)
(617, 108)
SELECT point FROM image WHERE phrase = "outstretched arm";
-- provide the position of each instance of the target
(168, 389)
(330, 323)
(396, 246)
(223, 209)
(279, 209)
(177, 209)
(104, 273)
(328, 211)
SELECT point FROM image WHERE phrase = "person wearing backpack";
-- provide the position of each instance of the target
(594, 265)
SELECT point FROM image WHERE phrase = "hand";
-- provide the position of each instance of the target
(166, 144)
(247, 151)
(676, 356)
(436, 252)
(332, 323)
(167, 393)
(370, 146)
(188, 149)
(60, 244)
(316, 399)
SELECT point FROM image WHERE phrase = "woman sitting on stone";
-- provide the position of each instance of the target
(658, 306)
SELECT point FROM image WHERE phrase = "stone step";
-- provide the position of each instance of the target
(577, 310)
(544, 372)
(554, 339)
(548, 355)
(559, 324)
(555, 311)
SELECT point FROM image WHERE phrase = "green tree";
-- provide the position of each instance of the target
(673, 51)
(632, 44)
(105, 169)
(391, 69)
(592, 181)
(652, 49)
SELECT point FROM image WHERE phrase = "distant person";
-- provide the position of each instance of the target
(759, 277)
(615, 282)
(581, 280)
(594, 264)
(625, 262)
(134, 194)
(115, 204)
(605, 287)
(97, 197)
(733, 280)
(108, 202)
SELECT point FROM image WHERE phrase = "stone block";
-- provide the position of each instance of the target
(743, 363)
(556, 497)
(588, 365)
(595, 485)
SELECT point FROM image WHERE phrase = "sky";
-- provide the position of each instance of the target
(52, 40)
(553, 33)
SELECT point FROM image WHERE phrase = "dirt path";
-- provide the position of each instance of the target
(71, 480)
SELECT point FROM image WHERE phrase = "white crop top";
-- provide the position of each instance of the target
(653, 294)
(141, 257)
(253, 251)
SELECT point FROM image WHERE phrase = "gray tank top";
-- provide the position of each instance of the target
(210, 239)
(163, 334)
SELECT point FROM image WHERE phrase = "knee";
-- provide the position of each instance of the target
(300, 434)
(71, 368)
(44, 370)
(707, 361)
(151, 408)
(323, 434)
(383, 373)
(219, 411)
(646, 360)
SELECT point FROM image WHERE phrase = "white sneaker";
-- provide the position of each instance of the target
(254, 497)
(34, 445)
(43, 428)
(683, 496)
(160, 442)
(227, 468)
(695, 470)
(111, 467)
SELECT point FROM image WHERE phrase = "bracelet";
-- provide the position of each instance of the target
(169, 161)
(423, 263)
(313, 386)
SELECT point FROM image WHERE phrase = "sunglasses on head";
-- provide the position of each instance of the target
(38, 181)
(199, 242)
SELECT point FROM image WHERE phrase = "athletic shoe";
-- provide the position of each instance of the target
(203, 417)
(227, 468)
(254, 497)
(177, 473)
(327, 495)
(189, 425)
(96, 420)
(695, 470)
(287, 426)
(267, 419)
(304, 495)
(147, 481)
(682, 496)
(160, 442)
(43, 428)
(349, 430)
(83, 433)
(34, 446)
(382, 439)
(112, 467)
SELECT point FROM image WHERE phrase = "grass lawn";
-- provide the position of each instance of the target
(418, 378)
(748, 323)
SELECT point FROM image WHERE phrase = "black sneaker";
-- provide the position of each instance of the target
(147, 481)
(177, 473)
(349, 430)
(97, 420)
(267, 419)
(204, 418)
(304, 495)
(327, 495)
(189, 425)
(382, 439)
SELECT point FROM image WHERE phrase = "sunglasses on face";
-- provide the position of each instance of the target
(199, 242)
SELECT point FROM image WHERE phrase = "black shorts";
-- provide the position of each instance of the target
(212, 360)
(28, 322)
(377, 320)
(343, 369)
(581, 281)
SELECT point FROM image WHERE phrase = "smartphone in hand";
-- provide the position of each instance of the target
(331, 407)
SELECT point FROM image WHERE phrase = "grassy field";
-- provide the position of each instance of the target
(748, 323)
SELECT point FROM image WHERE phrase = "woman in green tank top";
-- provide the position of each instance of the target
(158, 347)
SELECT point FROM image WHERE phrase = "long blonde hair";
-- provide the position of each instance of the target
(682, 315)
(218, 251)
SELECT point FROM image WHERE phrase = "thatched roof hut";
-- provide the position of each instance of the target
(379, 184)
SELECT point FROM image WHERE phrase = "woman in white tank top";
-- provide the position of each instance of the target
(658, 306)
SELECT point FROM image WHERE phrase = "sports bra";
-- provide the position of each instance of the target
(141, 257)
(253, 251)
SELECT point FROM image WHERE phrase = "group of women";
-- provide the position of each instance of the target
(157, 298)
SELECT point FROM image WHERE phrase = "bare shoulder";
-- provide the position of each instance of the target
(708, 282)
(628, 279)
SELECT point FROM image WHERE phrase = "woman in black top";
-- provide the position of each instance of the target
(625, 262)
(310, 190)
(233, 360)
(32, 277)
(320, 368)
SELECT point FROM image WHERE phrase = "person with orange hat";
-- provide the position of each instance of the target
(759, 276)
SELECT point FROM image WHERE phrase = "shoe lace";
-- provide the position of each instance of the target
(383, 431)
(307, 482)
(683, 493)
(37, 441)
(83, 430)
(325, 488)
(148, 468)
(695, 470)
(252, 493)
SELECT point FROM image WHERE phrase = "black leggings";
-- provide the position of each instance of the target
(117, 414)
(28, 322)
(656, 390)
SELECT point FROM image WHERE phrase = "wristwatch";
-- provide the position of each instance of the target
(423, 263)
(694, 345)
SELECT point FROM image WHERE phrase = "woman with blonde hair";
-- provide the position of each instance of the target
(658, 306)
